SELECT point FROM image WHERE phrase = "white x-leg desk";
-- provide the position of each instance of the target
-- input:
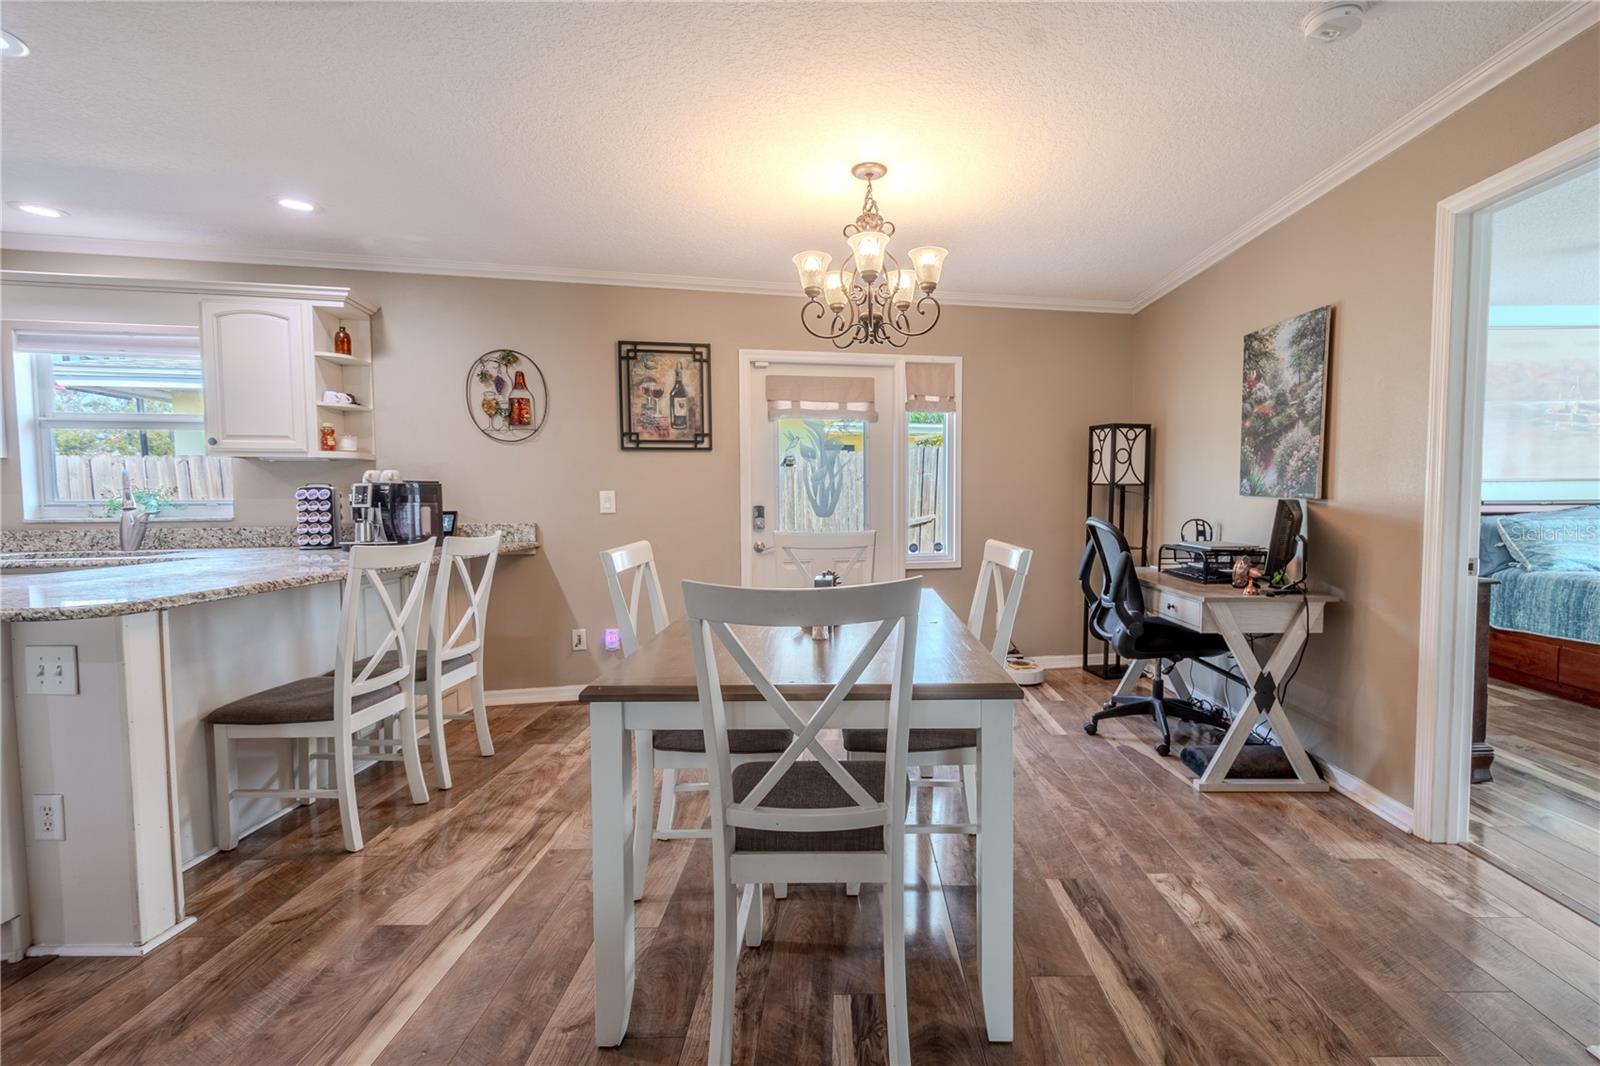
(1227, 611)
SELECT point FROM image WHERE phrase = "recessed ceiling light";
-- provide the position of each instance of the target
(295, 204)
(11, 46)
(39, 209)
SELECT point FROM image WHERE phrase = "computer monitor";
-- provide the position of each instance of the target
(1286, 548)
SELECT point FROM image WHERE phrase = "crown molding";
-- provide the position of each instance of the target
(45, 242)
(1520, 54)
(321, 295)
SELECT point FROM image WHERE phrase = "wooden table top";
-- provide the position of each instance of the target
(951, 664)
(1149, 575)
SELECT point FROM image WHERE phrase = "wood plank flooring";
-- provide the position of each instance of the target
(1154, 925)
(1540, 816)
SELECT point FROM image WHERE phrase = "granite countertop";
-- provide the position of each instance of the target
(101, 586)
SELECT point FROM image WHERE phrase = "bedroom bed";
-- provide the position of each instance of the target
(1545, 612)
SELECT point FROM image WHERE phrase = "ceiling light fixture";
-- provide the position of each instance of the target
(10, 45)
(868, 303)
(294, 204)
(39, 209)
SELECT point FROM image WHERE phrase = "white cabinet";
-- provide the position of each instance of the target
(255, 355)
(268, 364)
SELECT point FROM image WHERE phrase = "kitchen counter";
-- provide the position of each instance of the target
(83, 586)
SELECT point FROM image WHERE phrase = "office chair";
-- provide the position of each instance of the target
(1117, 616)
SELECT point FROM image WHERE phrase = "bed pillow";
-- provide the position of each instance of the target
(1554, 540)
(1493, 556)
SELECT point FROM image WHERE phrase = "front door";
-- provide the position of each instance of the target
(819, 474)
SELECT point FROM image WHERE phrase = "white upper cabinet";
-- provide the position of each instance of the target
(276, 372)
(256, 355)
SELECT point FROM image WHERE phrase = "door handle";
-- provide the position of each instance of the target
(758, 547)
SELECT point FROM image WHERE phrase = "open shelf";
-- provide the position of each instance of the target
(342, 360)
(355, 407)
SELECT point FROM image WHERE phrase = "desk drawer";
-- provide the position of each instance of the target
(1185, 610)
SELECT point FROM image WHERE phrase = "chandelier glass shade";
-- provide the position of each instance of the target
(872, 298)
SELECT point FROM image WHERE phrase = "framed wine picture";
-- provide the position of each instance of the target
(664, 395)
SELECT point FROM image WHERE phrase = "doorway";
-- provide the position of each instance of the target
(1508, 413)
(819, 468)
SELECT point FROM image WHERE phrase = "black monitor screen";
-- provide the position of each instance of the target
(1282, 547)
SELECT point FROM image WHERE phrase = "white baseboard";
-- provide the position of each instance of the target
(499, 697)
(99, 950)
(1065, 662)
(1362, 794)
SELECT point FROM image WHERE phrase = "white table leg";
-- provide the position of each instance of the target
(994, 867)
(610, 797)
(1130, 678)
(1215, 778)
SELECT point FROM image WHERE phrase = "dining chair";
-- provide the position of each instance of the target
(958, 747)
(850, 555)
(813, 821)
(668, 750)
(334, 708)
(456, 658)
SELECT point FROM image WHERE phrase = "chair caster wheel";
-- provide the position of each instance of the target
(1090, 728)
(1163, 749)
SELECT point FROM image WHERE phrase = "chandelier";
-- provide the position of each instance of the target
(870, 299)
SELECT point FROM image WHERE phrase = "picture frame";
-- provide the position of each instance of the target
(1283, 425)
(447, 522)
(664, 395)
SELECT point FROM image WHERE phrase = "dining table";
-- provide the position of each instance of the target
(957, 684)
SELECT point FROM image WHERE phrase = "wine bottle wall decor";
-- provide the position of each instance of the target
(664, 395)
(507, 397)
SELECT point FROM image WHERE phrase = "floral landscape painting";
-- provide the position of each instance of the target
(1284, 407)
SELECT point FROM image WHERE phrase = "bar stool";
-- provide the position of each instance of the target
(334, 708)
(669, 749)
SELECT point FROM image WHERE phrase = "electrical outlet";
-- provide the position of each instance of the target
(613, 640)
(52, 669)
(580, 640)
(608, 501)
(49, 820)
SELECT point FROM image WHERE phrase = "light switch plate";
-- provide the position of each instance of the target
(608, 501)
(52, 669)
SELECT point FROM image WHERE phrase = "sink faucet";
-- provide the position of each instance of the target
(134, 521)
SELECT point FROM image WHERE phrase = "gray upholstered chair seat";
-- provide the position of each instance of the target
(921, 739)
(740, 741)
(309, 699)
(389, 661)
(808, 786)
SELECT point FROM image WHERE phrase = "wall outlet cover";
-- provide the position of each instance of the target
(608, 501)
(580, 640)
(613, 640)
(49, 818)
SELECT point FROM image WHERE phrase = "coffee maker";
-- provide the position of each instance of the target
(387, 509)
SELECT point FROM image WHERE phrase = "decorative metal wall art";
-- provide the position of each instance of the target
(507, 396)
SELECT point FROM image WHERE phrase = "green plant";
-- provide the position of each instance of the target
(151, 501)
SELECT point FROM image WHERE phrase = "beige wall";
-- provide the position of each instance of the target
(1034, 380)
(1366, 248)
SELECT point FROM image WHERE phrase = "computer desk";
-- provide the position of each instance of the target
(1227, 611)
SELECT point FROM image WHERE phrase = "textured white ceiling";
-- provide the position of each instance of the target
(1068, 151)
(1545, 248)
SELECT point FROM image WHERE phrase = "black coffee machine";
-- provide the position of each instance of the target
(397, 512)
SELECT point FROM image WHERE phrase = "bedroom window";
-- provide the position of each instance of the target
(104, 401)
(1541, 347)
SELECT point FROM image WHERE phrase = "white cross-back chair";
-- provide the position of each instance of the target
(454, 656)
(668, 750)
(334, 708)
(812, 821)
(850, 555)
(959, 747)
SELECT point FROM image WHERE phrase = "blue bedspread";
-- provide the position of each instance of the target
(1550, 603)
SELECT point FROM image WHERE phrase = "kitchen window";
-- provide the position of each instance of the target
(97, 402)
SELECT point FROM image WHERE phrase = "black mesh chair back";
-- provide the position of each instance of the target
(1116, 608)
